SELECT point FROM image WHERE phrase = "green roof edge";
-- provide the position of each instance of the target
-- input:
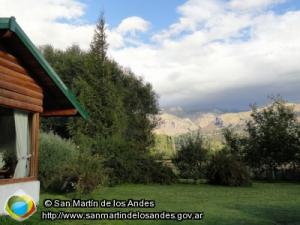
(12, 25)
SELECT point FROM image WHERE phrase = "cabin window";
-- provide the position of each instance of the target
(15, 146)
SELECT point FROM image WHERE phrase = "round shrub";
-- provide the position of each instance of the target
(57, 158)
(225, 169)
(66, 167)
(191, 157)
(154, 171)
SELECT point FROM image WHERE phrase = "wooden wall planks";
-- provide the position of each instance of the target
(17, 88)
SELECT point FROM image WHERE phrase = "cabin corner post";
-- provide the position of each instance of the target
(35, 144)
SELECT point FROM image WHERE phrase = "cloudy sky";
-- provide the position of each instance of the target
(198, 54)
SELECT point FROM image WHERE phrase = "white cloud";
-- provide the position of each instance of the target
(133, 24)
(194, 13)
(45, 10)
(115, 39)
(216, 53)
(59, 22)
(42, 21)
(127, 32)
(203, 58)
(201, 10)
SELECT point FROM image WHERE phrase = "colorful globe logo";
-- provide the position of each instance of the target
(20, 207)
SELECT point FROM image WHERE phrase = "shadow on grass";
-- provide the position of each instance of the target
(289, 215)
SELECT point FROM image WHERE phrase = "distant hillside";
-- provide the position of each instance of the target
(173, 125)
(209, 123)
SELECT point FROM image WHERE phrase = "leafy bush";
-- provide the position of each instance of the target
(57, 158)
(191, 157)
(152, 171)
(225, 169)
(91, 173)
(234, 143)
(64, 167)
(145, 171)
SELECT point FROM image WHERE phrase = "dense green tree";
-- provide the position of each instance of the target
(191, 157)
(274, 137)
(140, 107)
(227, 166)
(98, 94)
(234, 143)
(122, 115)
(70, 65)
(122, 110)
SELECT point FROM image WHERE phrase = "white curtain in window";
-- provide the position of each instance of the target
(22, 144)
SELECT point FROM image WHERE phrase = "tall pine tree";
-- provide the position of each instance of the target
(99, 96)
(122, 111)
(99, 44)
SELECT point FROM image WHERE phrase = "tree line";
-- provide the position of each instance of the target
(269, 148)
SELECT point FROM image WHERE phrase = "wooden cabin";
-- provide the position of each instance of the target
(29, 89)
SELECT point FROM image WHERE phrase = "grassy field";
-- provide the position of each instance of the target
(261, 204)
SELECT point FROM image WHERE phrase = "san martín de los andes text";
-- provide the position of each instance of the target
(104, 203)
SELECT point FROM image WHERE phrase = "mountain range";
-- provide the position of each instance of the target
(174, 121)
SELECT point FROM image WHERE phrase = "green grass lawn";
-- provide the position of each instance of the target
(261, 204)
